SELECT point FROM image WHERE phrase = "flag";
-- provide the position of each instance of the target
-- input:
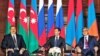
(23, 22)
(41, 24)
(50, 22)
(70, 29)
(79, 20)
(92, 23)
(60, 18)
(33, 29)
(11, 16)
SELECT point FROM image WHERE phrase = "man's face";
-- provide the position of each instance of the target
(57, 32)
(13, 30)
(85, 31)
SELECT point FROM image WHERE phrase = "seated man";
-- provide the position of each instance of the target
(13, 44)
(87, 45)
(55, 42)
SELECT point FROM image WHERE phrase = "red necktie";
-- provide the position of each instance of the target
(86, 43)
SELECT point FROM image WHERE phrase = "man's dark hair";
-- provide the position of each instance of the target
(58, 28)
(12, 26)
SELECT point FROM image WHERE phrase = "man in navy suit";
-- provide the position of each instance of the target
(13, 44)
(55, 41)
(87, 45)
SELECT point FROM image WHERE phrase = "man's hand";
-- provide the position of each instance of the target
(96, 48)
(10, 49)
(42, 48)
(78, 49)
(22, 50)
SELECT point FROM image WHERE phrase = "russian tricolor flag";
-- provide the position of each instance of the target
(60, 18)
(70, 29)
(92, 23)
(41, 24)
(79, 20)
(50, 22)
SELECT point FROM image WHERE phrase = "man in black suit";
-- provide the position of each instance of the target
(13, 44)
(55, 41)
(87, 44)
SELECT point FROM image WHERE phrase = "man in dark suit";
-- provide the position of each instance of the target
(87, 45)
(55, 42)
(13, 44)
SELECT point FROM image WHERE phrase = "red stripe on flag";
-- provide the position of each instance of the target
(70, 10)
(42, 39)
(62, 34)
(23, 19)
(89, 2)
(11, 14)
(34, 23)
(51, 32)
(78, 9)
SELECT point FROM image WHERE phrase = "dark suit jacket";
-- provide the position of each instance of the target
(99, 47)
(8, 42)
(99, 44)
(50, 42)
(91, 42)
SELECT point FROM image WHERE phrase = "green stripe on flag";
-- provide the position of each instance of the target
(33, 43)
(7, 27)
(22, 31)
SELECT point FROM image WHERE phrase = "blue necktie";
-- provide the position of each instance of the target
(56, 41)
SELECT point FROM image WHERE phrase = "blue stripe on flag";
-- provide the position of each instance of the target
(34, 5)
(91, 14)
(23, 2)
(12, 1)
(80, 26)
(70, 31)
(41, 21)
(60, 19)
(50, 18)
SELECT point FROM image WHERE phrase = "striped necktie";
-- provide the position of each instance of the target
(86, 43)
(15, 42)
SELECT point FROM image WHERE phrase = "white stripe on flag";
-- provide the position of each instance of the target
(50, 2)
(59, 4)
(41, 3)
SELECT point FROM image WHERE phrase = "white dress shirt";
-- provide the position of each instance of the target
(56, 37)
(15, 41)
(85, 40)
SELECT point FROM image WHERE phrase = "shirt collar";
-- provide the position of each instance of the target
(13, 34)
(86, 36)
(57, 37)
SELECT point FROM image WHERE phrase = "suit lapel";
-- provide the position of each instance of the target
(11, 38)
(12, 41)
(17, 39)
(89, 40)
(82, 42)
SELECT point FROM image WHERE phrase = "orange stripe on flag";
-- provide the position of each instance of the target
(94, 30)
(74, 43)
